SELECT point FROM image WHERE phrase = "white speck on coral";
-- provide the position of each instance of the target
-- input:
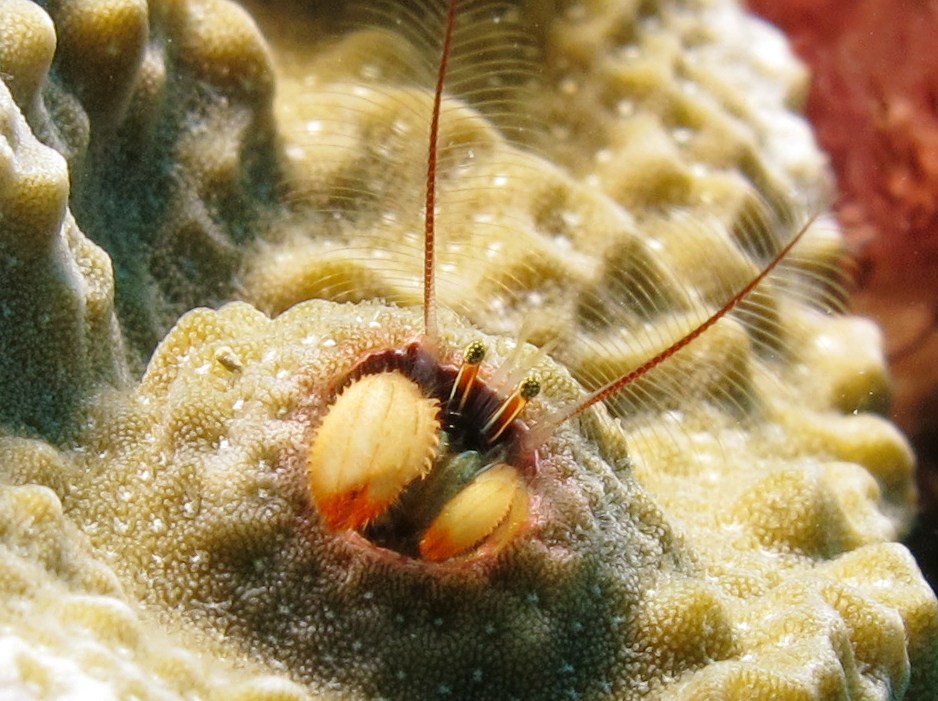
(625, 108)
(571, 218)
(482, 217)
(238, 405)
(203, 369)
(682, 135)
(688, 87)
(500, 180)
(630, 52)
(674, 416)
(328, 343)
(314, 126)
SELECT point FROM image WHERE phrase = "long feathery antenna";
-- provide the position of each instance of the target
(542, 431)
(429, 273)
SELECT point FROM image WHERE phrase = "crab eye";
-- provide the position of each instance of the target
(412, 455)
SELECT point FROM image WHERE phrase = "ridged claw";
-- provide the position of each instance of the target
(379, 436)
(493, 507)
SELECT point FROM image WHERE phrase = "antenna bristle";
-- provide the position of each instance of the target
(429, 272)
(542, 431)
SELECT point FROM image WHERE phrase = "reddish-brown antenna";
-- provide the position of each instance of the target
(429, 273)
(542, 430)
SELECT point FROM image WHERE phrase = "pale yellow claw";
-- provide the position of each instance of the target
(379, 436)
(493, 506)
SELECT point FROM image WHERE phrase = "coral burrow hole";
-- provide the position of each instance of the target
(414, 455)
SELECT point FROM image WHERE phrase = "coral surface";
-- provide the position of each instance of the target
(721, 529)
(871, 102)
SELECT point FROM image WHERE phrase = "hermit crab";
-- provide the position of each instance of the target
(434, 468)
(438, 464)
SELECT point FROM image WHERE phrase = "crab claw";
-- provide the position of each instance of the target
(491, 509)
(378, 436)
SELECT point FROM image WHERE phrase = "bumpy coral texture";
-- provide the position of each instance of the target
(719, 531)
(162, 111)
(59, 336)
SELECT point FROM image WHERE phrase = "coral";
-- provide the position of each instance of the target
(639, 570)
(162, 112)
(59, 337)
(722, 529)
(871, 102)
(69, 629)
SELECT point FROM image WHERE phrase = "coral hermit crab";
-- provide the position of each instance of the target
(438, 464)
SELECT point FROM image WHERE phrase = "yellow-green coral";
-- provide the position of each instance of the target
(68, 628)
(162, 111)
(59, 337)
(721, 530)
